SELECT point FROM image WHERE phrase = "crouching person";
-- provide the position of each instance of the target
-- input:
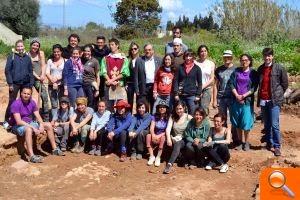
(138, 130)
(80, 124)
(98, 128)
(195, 135)
(22, 111)
(117, 128)
(61, 122)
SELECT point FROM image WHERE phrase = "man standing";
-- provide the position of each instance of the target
(273, 81)
(73, 40)
(145, 70)
(178, 52)
(176, 34)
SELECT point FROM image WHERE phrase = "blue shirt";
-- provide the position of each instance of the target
(140, 123)
(118, 123)
(100, 120)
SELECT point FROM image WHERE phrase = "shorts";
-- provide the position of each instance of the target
(20, 130)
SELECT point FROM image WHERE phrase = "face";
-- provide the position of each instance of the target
(188, 59)
(176, 33)
(35, 47)
(198, 117)
(73, 42)
(227, 60)
(180, 110)
(87, 53)
(168, 61)
(162, 109)
(63, 105)
(81, 107)
(100, 43)
(57, 53)
(134, 50)
(268, 59)
(121, 110)
(101, 107)
(20, 47)
(113, 47)
(142, 110)
(218, 123)
(245, 62)
(176, 48)
(148, 50)
(76, 54)
(26, 94)
(203, 53)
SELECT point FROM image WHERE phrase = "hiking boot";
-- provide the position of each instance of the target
(168, 169)
(75, 148)
(151, 160)
(57, 152)
(36, 159)
(157, 162)
(246, 146)
(210, 165)
(123, 157)
(224, 168)
(133, 156)
(92, 151)
(277, 152)
(139, 156)
(98, 151)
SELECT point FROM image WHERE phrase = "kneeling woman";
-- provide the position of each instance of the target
(218, 139)
(157, 132)
(195, 135)
(117, 127)
(176, 125)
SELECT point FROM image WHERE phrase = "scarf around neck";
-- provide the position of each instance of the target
(77, 66)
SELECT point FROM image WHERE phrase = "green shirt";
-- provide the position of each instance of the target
(201, 132)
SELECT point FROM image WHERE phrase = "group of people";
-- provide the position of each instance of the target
(92, 90)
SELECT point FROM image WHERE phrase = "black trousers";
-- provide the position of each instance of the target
(130, 94)
(137, 144)
(219, 153)
(148, 97)
(177, 147)
(89, 93)
(196, 153)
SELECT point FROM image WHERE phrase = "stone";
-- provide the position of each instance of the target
(19, 166)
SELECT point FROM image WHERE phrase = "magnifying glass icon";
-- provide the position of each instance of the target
(277, 180)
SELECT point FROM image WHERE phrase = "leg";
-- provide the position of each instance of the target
(205, 100)
(83, 133)
(88, 90)
(190, 151)
(190, 102)
(66, 131)
(275, 110)
(45, 104)
(123, 137)
(72, 94)
(223, 152)
(130, 93)
(28, 140)
(161, 145)
(141, 137)
(50, 134)
(176, 151)
(53, 94)
(148, 143)
(267, 116)
(80, 92)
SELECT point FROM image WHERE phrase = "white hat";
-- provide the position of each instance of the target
(227, 53)
(177, 41)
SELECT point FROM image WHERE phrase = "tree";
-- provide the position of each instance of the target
(136, 17)
(21, 16)
(170, 25)
(91, 26)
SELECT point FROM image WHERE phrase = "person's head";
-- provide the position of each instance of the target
(219, 120)
(168, 60)
(189, 56)
(122, 107)
(176, 32)
(177, 45)
(268, 55)
(199, 115)
(76, 52)
(142, 107)
(73, 40)
(19, 45)
(81, 103)
(202, 52)
(26, 94)
(148, 50)
(246, 60)
(162, 108)
(35, 45)
(64, 103)
(178, 111)
(88, 51)
(114, 45)
(101, 41)
(57, 51)
(133, 50)
(227, 57)
(101, 107)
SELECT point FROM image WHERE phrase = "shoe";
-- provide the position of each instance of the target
(6, 125)
(63, 148)
(210, 165)
(246, 146)
(277, 152)
(98, 151)
(157, 162)
(123, 157)
(75, 148)
(224, 168)
(57, 152)
(239, 147)
(133, 156)
(139, 156)
(80, 149)
(36, 159)
(168, 169)
(193, 165)
(151, 160)
(269, 147)
(92, 151)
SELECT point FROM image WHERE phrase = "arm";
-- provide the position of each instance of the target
(156, 77)
(72, 121)
(168, 131)
(176, 82)
(8, 70)
(284, 79)
(199, 82)
(132, 125)
(188, 133)
(97, 73)
(136, 76)
(30, 71)
(227, 139)
(20, 122)
(152, 127)
(125, 125)
(43, 65)
(144, 125)
(85, 121)
(111, 123)
(94, 121)
(212, 77)
(125, 72)
(215, 93)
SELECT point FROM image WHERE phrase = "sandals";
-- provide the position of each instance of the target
(36, 159)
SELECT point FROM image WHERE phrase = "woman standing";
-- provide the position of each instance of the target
(39, 71)
(72, 76)
(55, 66)
(243, 83)
(207, 69)
(91, 79)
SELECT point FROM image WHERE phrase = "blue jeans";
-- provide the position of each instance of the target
(224, 107)
(271, 124)
(73, 93)
(20, 130)
(190, 103)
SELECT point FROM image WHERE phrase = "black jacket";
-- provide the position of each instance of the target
(279, 83)
(100, 53)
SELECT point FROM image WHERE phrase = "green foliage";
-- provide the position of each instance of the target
(21, 16)
(4, 49)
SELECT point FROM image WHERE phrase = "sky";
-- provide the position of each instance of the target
(80, 12)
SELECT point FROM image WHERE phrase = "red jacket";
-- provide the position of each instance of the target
(163, 82)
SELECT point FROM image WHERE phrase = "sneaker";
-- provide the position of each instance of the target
(57, 152)
(277, 152)
(133, 156)
(75, 148)
(63, 148)
(210, 165)
(224, 168)
(80, 149)
(246, 146)
(168, 169)
(92, 151)
(157, 162)
(36, 159)
(98, 151)
(151, 160)
(239, 147)
(123, 157)
(5, 125)
(193, 165)
(139, 156)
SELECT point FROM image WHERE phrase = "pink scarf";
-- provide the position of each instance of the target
(77, 65)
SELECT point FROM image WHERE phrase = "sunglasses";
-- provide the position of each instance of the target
(134, 49)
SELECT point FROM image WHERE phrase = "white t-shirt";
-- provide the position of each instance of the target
(150, 70)
(55, 71)
(206, 68)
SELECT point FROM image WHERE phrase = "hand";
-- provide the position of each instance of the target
(155, 95)
(239, 97)
(154, 138)
(197, 99)
(242, 102)
(36, 131)
(96, 93)
(42, 78)
(177, 98)
(169, 142)
(108, 82)
(208, 144)
(196, 141)
(66, 92)
(74, 132)
(53, 80)
(11, 88)
(111, 135)
(56, 124)
(132, 134)
(41, 128)
(115, 83)
(215, 105)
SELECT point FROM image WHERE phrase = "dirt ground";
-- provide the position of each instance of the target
(88, 177)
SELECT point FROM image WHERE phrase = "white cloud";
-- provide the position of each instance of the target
(171, 5)
(172, 16)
